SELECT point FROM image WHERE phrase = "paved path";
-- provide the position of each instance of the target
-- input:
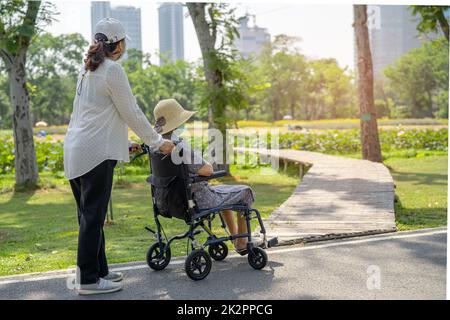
(337, 195)
(404, 265)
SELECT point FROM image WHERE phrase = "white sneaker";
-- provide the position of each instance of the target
(114, 276)
(100, 287)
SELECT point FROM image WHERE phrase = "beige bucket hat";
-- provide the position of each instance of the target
(169, 115)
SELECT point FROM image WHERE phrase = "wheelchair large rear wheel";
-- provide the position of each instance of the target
(218, 251)
(155, 260)
(257, 258)
(198, 265)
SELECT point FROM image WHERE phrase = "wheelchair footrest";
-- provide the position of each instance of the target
(272, 242)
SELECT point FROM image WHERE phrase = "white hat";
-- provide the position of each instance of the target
(112, 29)
(169, 115)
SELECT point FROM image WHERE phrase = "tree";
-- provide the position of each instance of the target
(18, 20)
(53, 64)
(330, 86)
(255, 86)
(286, 70)
(151, 83)
(418, 81)
(213, 22)
(370, 143)
(432, 19)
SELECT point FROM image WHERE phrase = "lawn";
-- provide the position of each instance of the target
(421, 191)
(38, 231)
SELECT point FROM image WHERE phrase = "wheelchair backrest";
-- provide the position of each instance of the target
(170, 188)
(162, 166)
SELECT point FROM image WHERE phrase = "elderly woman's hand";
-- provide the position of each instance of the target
(134, 147)
(167, 146)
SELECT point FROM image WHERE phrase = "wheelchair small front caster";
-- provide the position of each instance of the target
(257, 258)
(198, 264)
(154, 260)
(218, 251)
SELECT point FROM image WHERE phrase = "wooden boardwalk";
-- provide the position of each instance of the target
(337, 197)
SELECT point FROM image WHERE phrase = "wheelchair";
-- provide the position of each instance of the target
(174, 178)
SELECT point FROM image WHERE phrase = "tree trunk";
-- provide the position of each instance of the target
(275, 109)
(207, 40)
(370, 143)
(430, 103)
(444, 24)
(26, 170)
(293, 109)
(333, 108)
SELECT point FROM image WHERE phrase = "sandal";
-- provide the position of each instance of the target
(256, 243)
(242, 251)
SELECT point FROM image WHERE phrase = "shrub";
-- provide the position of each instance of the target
(348, 141)
(49, 154)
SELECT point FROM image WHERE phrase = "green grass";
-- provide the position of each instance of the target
(398, 154)
(421, 190)
(38, 230)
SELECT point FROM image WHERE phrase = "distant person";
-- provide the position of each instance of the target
(97, 137)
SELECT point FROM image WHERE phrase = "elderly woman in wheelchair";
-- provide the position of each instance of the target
(180, 189)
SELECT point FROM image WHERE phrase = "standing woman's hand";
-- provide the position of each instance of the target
(134, 147)
(167, 146)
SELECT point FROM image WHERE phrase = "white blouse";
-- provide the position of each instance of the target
(103, 108)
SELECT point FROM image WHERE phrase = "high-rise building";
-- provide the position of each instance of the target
(99, 10)
(392, 33)
(130, 17)
(252, 38)
(171, 31)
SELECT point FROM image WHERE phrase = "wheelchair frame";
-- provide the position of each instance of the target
(196, 219)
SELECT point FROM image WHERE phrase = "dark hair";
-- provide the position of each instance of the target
(98, 51)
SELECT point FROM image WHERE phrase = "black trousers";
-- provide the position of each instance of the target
(92, 192)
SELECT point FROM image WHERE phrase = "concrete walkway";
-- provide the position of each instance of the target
(337, 197)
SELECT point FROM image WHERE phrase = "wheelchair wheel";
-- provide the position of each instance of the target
(218, 251)
(257, 258)
(198, 265)
(152, 257)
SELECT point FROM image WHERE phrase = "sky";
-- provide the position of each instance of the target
(325, 30)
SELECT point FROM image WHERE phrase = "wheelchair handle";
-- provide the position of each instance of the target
(146, 150)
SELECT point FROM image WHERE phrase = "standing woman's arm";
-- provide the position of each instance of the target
(125, 102)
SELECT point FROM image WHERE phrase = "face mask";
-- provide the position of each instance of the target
(180, 129)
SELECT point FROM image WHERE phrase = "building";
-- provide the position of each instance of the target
(129, 16)
(99, 10)
(131, 20)
(392, 33)
(252, 38)
(171, 32)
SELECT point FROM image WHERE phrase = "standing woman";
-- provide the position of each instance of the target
(96, 139)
